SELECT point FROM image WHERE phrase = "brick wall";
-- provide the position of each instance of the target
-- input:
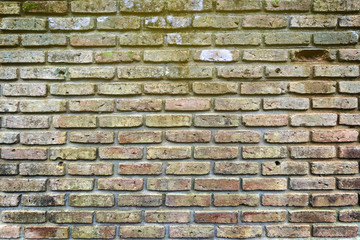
(179, 119)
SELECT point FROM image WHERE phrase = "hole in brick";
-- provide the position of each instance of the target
(312, 55)
(277, 163)
(277, 70)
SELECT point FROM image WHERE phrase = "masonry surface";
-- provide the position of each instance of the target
(212, 119)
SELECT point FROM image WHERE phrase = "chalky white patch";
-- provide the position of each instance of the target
(216, 55)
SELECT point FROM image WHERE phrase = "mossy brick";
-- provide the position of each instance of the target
(77, 57)
(189, 5)
(71, 23)
(94, 6)
(45, 7)
(140, 6)
(23, 24)
(118, 23)
(168, 22)
(43, 40)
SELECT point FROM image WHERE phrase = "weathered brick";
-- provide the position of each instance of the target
(287, 136)
(259, 152)
(288, 5)
(187, 200)
(125, 137)
(242, 231)
(313, 55)
(349, 216)
(42, 169)
(42, 40)
(263, 216)
(9, 137)
(10, 8)
(168, 22)
(314, 183)
(22, 153)
(9, 200)
(94, 232)
(45, 7)
(216, 217)
(349, 119)
(167, 216)
(91, 200)
(335, 38)
(264, 21)
(145, 231)
(312, 87)
(73, 121)
(23, 216)
(286, 199)
(336, 71)
(168, 184)
(224, 120)
(43, 200)
(284, 231)
(188, 168)
(24, 90)
(8, 169)
(335, 103)
(120, 152)
(188, 136)
(334, 135)
(141, 72)
(240, 136)
(285, 168)
(336, 167)
(215, 88)
(91, 137)
(184, 72)
(189, 39)
(91, 105)
(235, 104)
(139, 105)
(119, 89)
(93, 40)
(215, 22)
(140, 200)
(138, 6)
(304, 152)
(349, 183)
(191, 231)
(189, 5)
(10, 232)
(72, 89)
(7, 106)
(71, 184)
(238, 39)
(92, 72)
(9, 40)
(118, 216)
(22, 185)
(333, 199)
(288, 71)
(142, 39)
(71, 23)
(89, 169)
(335, 231)
(349, 21)
(166, 88)
(216, 55)
(265, 120)
(313, 21)
(232, 168)
(167, 120)
(216, 152)
(102, 6)
(70, 56)
(42, 106)
(170, 152)
(265, 55)
(233, 5)
(73, 153)
(268, 88)
(269, 184)
(120, 121)
(8, 73)
(335, 6)
(22, 57)
(217, 184)
(236, 199)
(314, 120)
(46, 232)
(23, 24)
(287, 103)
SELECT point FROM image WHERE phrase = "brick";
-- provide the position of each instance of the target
(313, 21)
(264, 21)
(286, 199)
(7, 106)
(91, 73)
(22, 57)
(238, 39)
(283, 231)
(45, 7)
(336, 71)
(335, 6)
(71, 121)
(142, 39)
(9, 200)
(349, 119)
(9, 41)
(215, 217)
(349, 216)
(268, 88)
(140, 168)
(88, 169)
(287, 136)
(91, 200)
(22, 185)
(335, 38)
(91, 105)
(93, 40)
(349, 21)
(349, 55)
(224, 120)
(10, 8)
(102, 6)
(216, 55)
(166, 88)
(236, 200)
(168, 152)
(169, 184)
(140, 72)
(333, 199)
(10, 232)
(8, 169)
(240, 71)
(118, 23)
(298, 6)
(314, 120)
(263, 216)
(215, 88)
(73, 153)
(286, 38)
(125, 137)
(91, 137)
(71, 184)
(145, 231)
(42, 40)
(189, 5)
(313, 55)
(139, 105)
(42, 106)
(243, 231)
(120, 184)
(335, 103)
(117, 57)
(188, 39)
(120, 152)
(24, 89)
(119, 89)
(231, 168)
(335, 135)
(348, 183)
(23, 24)
(71, 23)
(233, 5)
(335, 231)
(195, 72)
(191, 231)
(42, 169)
(287, 103)
(336, 167)
(314, 183)
(288, 71)
(8, 73)
(166, 56)
(43, 73)
(167, 120)
(140, 200)
(268, 184)
(43, 200)
(138, 6)
(167, 216)
(93, 232)
(215, 22)
(120, 121)
(168, 22)
(9, 137)
(72, 89)
(70, 56)
(188, 136)
(188, 200)
(265, 55)
(118, 216)
(265, 120)
(188, 168)
(237, 136)
(216, 152)
(217, 184)
(259, 152)
(305, 152)
(46, 232)
(22, 153)
(285, 168)
(23, 216)
(312, 87)
(235, 104)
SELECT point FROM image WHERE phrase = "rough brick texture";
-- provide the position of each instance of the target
(179, 119)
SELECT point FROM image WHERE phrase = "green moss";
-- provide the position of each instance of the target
(130, 54)
(29, 6)
(108, 54)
